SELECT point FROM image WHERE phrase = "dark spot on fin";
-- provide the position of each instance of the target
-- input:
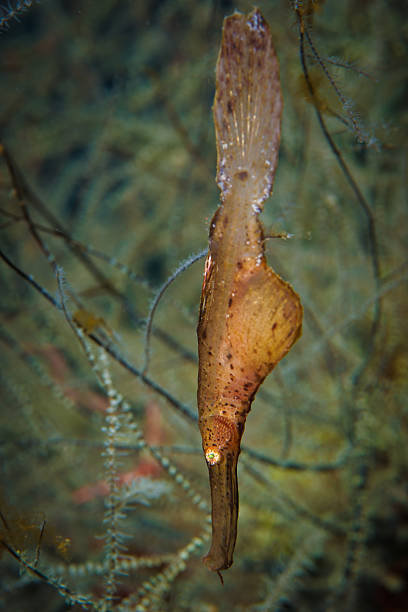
(243, 175)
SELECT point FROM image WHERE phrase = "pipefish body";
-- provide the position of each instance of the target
(249, 317)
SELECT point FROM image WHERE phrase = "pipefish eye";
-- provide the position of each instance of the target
(212, 455)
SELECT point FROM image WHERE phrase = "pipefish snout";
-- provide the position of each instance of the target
(249, 317)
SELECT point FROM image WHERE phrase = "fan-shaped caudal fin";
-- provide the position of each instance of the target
(247, 106)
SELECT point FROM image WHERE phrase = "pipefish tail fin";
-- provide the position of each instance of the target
(247, 107)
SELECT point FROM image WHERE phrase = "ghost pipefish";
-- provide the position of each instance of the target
(249, 317)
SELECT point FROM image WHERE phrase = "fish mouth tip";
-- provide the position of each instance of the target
(216, 565)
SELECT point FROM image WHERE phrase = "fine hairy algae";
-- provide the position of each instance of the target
(249, 317)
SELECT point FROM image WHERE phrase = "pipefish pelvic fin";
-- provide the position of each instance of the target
(249, 317)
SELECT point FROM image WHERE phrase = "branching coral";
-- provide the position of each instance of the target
(106, 184)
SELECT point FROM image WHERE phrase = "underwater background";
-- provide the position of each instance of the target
(107, 184)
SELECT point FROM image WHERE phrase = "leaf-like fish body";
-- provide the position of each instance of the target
(249, 317)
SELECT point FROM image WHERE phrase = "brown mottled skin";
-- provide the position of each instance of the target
(249, 317)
